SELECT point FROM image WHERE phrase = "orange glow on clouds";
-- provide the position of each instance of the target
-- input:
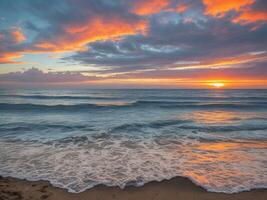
(78, 35)
(149, 7)
(250, 16)
(155, 6)
(9, 56)
(18, 35)
(225, 62)
(220, 7)
(74, 35)
(182, 8)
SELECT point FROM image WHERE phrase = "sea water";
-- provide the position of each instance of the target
(79, 138)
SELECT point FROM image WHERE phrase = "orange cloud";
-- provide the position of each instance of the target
(225, 62)
(18, 36)
(76, 36)
(8, 57)
(181, 8)
(156, 6)
(239, 59)
(251, 16)
(218, 8)
(149, 7)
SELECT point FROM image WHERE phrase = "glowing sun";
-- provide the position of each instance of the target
(217, 85)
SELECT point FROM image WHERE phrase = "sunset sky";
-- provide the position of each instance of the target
(133, 43)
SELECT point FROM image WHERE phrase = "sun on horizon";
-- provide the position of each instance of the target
(217, 84)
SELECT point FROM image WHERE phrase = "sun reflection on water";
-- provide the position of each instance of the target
(215, 117)
(223, 160)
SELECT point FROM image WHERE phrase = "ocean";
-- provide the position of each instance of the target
(79, 138)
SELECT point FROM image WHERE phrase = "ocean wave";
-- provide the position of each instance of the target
(203, 105)
(206, 98)
(250, 124)
(160, 104)
(62, 97)
(154, 124)
(173, 98)
(58, 107)
(6, 128)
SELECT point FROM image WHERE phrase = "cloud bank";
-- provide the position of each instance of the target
(130, 38)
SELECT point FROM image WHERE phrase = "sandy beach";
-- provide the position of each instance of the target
(176, 188)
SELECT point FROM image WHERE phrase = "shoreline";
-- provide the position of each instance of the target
(175, 188)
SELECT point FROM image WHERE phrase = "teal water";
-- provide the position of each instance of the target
(77, 139)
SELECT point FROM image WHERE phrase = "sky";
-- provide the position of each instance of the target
(133, 43)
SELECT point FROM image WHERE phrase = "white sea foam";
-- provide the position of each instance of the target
(217, 166)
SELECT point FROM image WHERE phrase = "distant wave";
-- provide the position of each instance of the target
(161, 104)
(207, 98)
(193, 104)
(73, 97)
(38, 107)
(59, 97)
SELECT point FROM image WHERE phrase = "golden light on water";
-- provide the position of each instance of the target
(214, 117)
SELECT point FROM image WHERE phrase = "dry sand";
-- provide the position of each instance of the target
(176, 188)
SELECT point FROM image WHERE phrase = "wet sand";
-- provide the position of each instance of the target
(174, 189)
